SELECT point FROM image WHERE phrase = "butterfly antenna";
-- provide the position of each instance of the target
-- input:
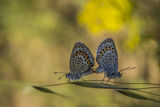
(59, 72)
(62, 76)
(64, 73)
(128, 68)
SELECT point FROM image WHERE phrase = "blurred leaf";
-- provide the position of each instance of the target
(46, 90)
(42, 89)
(135, 95)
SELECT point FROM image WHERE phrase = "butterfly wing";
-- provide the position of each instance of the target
(81, 59)
(106, 56)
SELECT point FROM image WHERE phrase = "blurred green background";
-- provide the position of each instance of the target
(36, 39)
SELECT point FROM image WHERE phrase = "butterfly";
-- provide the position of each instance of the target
(107, 59)
(81, 62)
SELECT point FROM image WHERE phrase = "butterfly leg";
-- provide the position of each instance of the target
(116, 80)
(98, 70)
(83, 79)
(108, 80)
(103, 79)
(69, 81)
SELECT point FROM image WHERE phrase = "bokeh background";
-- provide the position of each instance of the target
(36, 39)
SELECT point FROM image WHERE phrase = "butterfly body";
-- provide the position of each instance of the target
(81, 62)
(73, 76)
(77, 76)
(107, 58)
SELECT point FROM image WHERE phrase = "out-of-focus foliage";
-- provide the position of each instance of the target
(101, 16)
(105, 15)
(36, 39)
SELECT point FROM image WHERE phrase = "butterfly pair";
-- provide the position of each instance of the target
(82, 61)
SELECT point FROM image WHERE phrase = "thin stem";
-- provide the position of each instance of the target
(53, 84)
(147, 92)
(127, 82)
(146, 88)
(135, 83)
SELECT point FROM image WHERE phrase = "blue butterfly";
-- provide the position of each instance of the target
(107, 58)
(81, 62)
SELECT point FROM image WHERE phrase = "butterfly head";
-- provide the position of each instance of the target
(119, 74)
(68, 75)
(113, 74)
(72, 77)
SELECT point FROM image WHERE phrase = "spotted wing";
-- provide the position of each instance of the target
(81, 58)
(106, 55)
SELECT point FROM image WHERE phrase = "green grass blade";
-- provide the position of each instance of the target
(108, 86)
(128, 83)
(46, 90)
(135, 95)
(104, 85)
(96, 85)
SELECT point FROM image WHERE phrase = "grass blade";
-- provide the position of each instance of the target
(46, 90)
(135, 83)
(127, 82)
(135, 95)
(96, 85)
(104, 85)
(47, 85)
(108, 86)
